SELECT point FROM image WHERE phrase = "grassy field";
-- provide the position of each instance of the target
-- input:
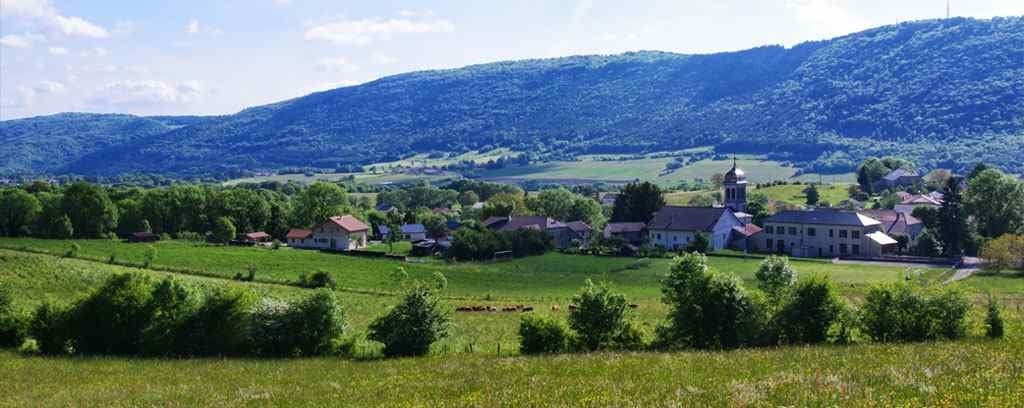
(789, 193)
(478, 364)
(553, 276)
(967, 373)
(649, 169)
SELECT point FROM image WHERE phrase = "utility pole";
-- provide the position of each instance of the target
(947, 9)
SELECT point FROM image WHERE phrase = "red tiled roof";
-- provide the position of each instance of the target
(257, 235)
(349, 223)
(299, 233)
(748, 230)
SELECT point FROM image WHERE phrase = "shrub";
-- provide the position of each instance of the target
(111, 320)
(219, 327)
(700, 244)
(598, 317)
(1004, 252)
(49, 328)
(774, 275)
(148, 256)
(410, 327)
(542, 334)
(707, 310)
(171, 305)
(902, 312)
(810, 310)
(317, 322)
(13, 326)
(275, 245)
(993, 319)
(223, 230)
(73, 250)
(319, 279)
(191, 236)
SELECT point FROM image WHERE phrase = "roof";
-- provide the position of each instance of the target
(348, 223)
(299, 233)
(735, 174)
(921, 199)
(823, 217)
(383, 229)
(880, 238)
(747, 230)
(513, 223)
(413, 229)
(893, 222)
(257, 235)
(441, 210)
(896, 174)
(623, 227)
(578, 226)
(385, 207)
(674, 218)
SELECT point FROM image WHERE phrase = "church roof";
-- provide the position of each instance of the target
(735, 174)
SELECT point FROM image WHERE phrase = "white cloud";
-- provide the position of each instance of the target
(382, 59)
(21, 98)
(49, 87)
(335, 65)
(366, 31)
(95, 52)
(826, 18)
(51, 18)
(148, 93)
(137, 69)
(14, 41)
(282, 2)
(122, 28)
(58, 51)
(194, 28)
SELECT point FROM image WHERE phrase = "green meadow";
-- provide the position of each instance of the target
(479, 364)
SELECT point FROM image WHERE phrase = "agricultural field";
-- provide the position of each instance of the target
(478, 364)
(594, 169)
(789, 193)
(367, 178)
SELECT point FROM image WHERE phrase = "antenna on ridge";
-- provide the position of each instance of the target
(947, 9)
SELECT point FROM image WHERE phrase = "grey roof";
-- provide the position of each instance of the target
(623, 227)
(578, 226)
(413, 229)
(823, 217)
(522, 222)
(674, 218)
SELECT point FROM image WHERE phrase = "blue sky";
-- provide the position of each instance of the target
(221, 56)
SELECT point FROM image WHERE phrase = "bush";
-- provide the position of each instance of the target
(191, 236)
(49, 328)
(700, 244)
(707, 310)
(319, 279)
(13, 326)
(993, 319)
(317, 322)
(810, 310)
(219, 327)
(73, 250)
(599, 316)
(409, 328)
(774, 275)
(111, 320)
(171, 305)
(148, 256)
(541, 334)
(901, 312)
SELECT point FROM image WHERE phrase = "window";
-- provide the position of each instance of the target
(792, 230)
(856, 249)
(842, 233)
(842, 249)
(830, 249)
(675, 238)
(770, 243)
(855, 235)
(811, 232)
(831, 233)
(771, 230)
(659, 236)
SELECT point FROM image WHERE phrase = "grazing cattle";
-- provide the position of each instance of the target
(633, 306)
(572, 306)
(555, 308)
(528, 309)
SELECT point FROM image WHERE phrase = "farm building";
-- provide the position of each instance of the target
(414, 232)
(825, 233)
(299, 237)
(143, 237)
(631, 232)
(254, 238)
(557, 230)
(676, 227)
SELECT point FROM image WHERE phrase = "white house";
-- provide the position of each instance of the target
(675, 228)
(340, 233)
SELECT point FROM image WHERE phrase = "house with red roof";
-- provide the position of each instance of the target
(339, 233)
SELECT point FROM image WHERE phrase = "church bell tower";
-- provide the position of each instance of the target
(735, 183)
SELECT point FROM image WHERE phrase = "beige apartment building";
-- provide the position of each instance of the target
(824, 233)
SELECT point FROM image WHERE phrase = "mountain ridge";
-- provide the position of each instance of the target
(937, 91)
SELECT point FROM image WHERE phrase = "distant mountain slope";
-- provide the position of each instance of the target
(942, 92)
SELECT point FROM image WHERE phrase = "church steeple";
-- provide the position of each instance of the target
(735, 184)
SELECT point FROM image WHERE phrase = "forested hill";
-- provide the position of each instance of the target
(940, 92)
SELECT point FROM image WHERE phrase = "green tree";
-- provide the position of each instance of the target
(468, 198)
(996, 203)
(952, 218)
(813, 196)
(248, 210)
(62, 228)
(638, 203)
(409, 328)
(318, 202)
(90, 209)
(18, 210)
(599, 316)
(224, 230)
(707, 310)
(775, 275)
